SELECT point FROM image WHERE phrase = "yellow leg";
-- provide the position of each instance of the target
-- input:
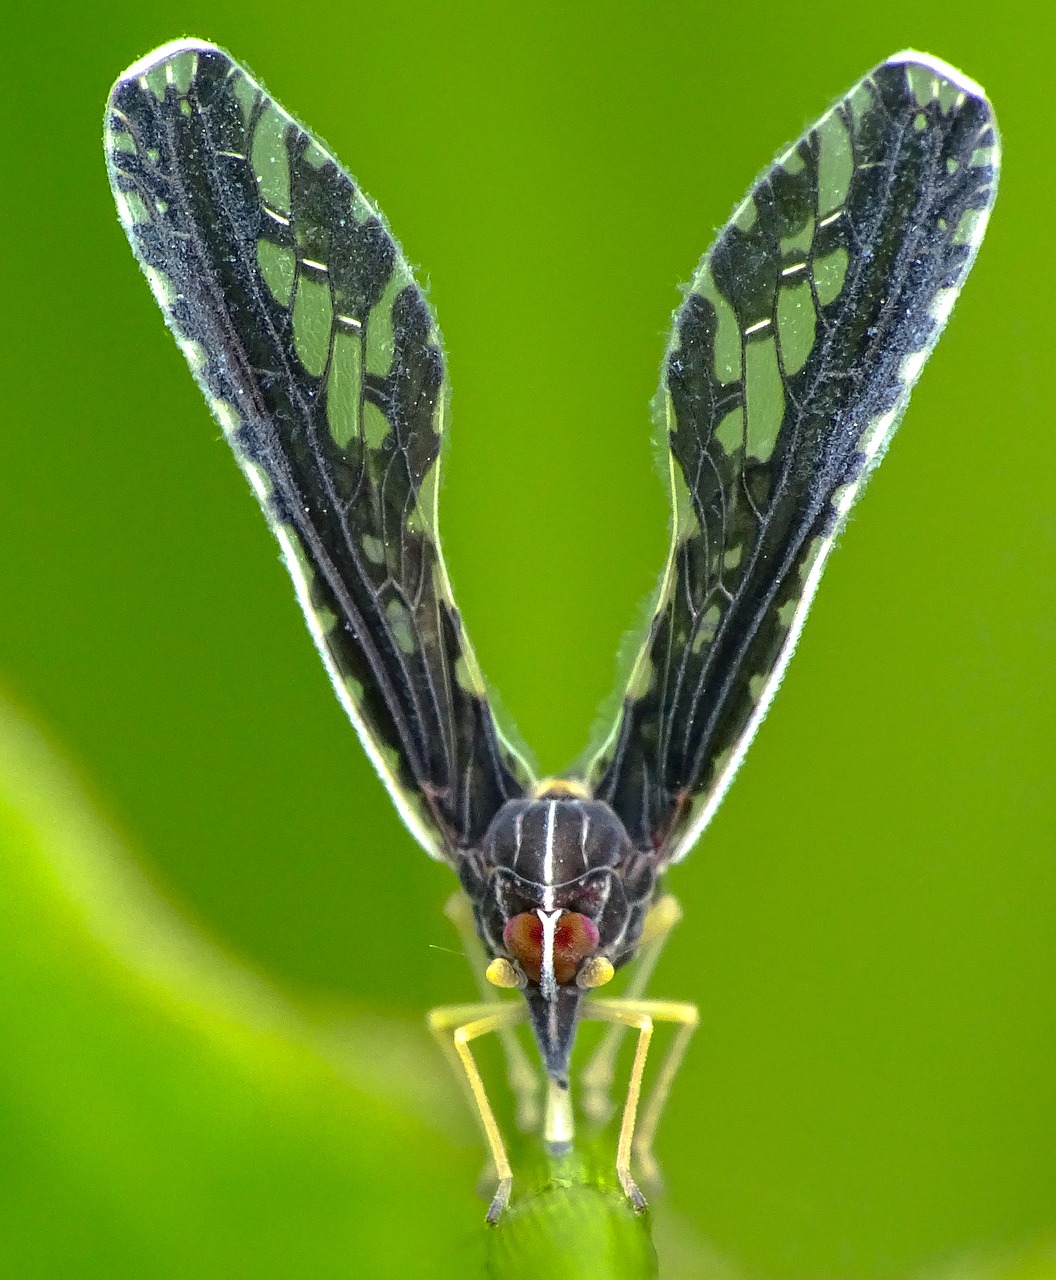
(454, 1026)
(523, 1077)
(641, 1014)
(600, 1070)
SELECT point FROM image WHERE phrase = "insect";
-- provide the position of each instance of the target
(789, 365)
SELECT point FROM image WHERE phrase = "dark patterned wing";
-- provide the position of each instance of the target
(789, 367)
(321, 360)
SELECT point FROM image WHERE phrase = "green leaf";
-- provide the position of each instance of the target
(164, 1113)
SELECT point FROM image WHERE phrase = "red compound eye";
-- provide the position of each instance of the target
(523, 936)
(575, 938)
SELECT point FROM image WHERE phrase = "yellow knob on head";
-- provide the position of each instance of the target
(595, 973)
(500, 973)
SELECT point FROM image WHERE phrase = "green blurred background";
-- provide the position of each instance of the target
(870, 922)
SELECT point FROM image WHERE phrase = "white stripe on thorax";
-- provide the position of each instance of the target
(518, 831)
(548, 864)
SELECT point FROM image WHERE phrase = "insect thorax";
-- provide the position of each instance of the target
(565, 866)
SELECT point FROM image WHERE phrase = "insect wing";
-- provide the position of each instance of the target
(788, 369)
(321, 360)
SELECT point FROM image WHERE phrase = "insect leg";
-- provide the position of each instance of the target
(523, 1077)
(600, 1070)
(454, 1026)
(641, 1014)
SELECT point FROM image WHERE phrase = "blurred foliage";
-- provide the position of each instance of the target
(870, 923)
(164, 1112)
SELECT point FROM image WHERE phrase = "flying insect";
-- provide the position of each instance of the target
(789, 366)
